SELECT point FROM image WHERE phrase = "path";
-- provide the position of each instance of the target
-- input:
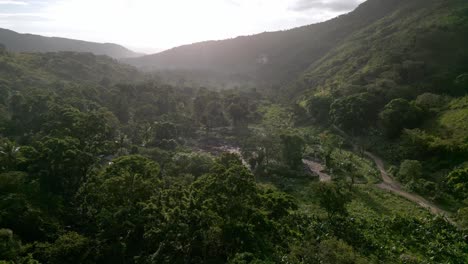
(395, 187)
(318, 169)
(391, 185)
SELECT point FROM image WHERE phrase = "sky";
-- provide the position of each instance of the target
(153, 25)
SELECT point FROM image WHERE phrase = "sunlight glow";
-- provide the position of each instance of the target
(164, 23)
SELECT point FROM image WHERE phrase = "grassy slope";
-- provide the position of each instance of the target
(452, 123)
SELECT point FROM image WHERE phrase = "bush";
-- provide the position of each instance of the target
(354, 113)
(338, 252)
(430, 101)
(399, 114)
(410, 170)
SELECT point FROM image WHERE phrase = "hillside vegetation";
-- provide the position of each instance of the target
(101, 163)
(401, 81)
(17, 42)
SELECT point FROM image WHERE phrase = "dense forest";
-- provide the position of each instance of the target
(358, 153)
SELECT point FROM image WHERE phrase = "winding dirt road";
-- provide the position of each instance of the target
(389, 184)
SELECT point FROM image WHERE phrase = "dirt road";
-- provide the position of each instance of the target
(391, 185)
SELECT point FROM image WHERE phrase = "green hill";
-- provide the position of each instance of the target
(418, 48)
(17, 42)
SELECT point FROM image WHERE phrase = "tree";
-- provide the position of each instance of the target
(354, 113)
(238, 114)
(62, 165)
(293, 149)
(462, 217)
(164, 131)
(347, 168)
(318, 108)
(196, 164)
(399, 114)
(70, 247)
(328, 143)
(430, 101)
(9, 153)
(214, 116)
(112, 201)
(338, 252)
(222, 215)
(457, 180)
(333, 199)
(9, 246)
(410, 170)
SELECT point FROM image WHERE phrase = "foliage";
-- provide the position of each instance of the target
(354, 113)
(333, 199)
(410, 170)
(430, 101)
(399, 114)
(457, 180)
(293, 149)
(318, 108)
(9, 247)
(102, 164)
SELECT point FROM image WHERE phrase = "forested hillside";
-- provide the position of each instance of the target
(17, 42)
(402, 82)
(271, 57)
(360, 159)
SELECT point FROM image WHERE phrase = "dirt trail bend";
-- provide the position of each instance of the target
(391, 185)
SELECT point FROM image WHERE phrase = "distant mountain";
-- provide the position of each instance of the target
(17, 42)
(272, 56)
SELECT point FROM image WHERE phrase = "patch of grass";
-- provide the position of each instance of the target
(368, 202)
(371, 203)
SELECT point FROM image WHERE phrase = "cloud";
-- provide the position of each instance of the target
(163, 23)
(22, 17)
(332, 5)
(13, 2)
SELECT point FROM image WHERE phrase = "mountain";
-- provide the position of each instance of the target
(271, 56)
(17, 42)
(421, 47)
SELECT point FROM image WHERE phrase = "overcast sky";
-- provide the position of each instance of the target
(149, 25)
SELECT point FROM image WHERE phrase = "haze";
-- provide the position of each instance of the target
(153, 25)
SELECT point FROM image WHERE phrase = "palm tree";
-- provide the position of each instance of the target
(8, 155)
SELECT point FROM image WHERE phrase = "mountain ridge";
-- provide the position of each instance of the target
(277, 56)
(26, 42)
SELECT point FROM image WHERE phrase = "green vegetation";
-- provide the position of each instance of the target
(100, 163)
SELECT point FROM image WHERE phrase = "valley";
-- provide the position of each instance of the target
(341, 142)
